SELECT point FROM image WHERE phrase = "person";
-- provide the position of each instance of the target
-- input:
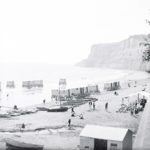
(131, 112)
(23, 127)
(81, 116)
(72, 109)
(106, 106)
(69, 122)
(93, 105)
(44, 101)
(90, 103)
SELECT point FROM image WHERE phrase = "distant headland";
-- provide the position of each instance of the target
(132, 53)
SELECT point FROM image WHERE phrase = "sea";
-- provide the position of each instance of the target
(51, 74)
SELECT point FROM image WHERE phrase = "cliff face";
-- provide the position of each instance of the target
(127, 54)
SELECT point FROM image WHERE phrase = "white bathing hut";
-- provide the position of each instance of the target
(94, 137)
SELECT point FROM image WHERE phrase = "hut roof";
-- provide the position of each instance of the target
(103, 132)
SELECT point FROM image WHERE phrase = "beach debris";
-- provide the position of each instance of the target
(81, 116)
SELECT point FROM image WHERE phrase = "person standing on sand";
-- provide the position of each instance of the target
(23, 127)
(90, 104)
(72, 109)
(93, 105)
(44, 101)
(69, 122)
(106, 106)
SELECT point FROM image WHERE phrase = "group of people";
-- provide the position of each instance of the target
(137, 108)
(92, 105)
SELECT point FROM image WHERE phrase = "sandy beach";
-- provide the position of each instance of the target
(51, 129)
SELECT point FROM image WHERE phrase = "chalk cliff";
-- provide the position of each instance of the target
(132, 53)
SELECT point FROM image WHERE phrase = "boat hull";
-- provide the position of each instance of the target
(58, 109)
(16, 145)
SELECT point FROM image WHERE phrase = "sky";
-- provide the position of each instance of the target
(63, 31)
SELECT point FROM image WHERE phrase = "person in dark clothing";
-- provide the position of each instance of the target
(93, 105)
(72, 109)
(44, 101)
(106, 106)
(131, 112)
(69, 122)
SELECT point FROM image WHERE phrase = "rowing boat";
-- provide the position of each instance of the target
(53, 109)
(16, 145)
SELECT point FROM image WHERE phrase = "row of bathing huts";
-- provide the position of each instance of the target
(25, 84)
(90, 89)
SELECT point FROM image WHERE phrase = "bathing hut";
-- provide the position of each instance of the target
(110, 86)
(95, 137)
(92, 89)
(10, 84)
(32, 84)
(26, 84)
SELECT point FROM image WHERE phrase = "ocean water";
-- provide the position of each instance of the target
(50, 74)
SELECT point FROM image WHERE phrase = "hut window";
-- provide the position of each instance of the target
(113, 146)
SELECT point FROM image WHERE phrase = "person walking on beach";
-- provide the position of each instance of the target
(72, 109)
(69, 122)
(106, 106)
(90, 104)
(23, 127)
(44, 101)
(93, 105)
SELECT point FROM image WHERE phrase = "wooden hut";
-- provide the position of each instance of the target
(95, 137)
(111, 86)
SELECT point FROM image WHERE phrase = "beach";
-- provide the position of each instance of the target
(51, 129)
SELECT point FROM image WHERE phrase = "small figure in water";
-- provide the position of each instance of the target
(72, 109)
(93, 105)
(69, 122)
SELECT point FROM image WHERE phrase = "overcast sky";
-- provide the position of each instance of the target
(63, 31)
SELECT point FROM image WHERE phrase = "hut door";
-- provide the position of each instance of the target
(100, 144)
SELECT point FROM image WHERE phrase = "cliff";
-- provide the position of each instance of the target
(132, 53)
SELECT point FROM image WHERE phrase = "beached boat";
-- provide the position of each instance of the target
(16, 145)
(53, 109)
(5, 116)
